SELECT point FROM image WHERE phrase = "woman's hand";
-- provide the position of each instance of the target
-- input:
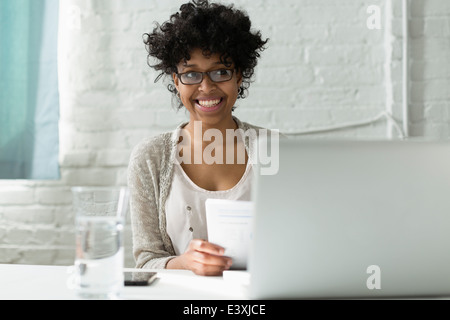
(203, 258)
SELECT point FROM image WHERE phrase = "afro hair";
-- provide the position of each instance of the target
(213, 28)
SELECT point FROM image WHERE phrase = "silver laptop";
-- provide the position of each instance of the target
(353, 219)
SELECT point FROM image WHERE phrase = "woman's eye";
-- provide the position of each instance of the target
(221, 72)
(192, 75)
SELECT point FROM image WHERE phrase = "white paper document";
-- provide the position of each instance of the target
(229, 226)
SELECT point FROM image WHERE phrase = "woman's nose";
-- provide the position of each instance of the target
(207, 85)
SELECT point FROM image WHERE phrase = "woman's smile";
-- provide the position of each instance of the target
(209, 104)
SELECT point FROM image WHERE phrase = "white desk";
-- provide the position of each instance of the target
(22, 282)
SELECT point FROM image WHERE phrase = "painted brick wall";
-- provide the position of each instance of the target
(323, 67)
(430, 68)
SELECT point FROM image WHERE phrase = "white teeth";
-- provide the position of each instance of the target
(208, 103)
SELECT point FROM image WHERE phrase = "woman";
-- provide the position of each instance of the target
(209, 53)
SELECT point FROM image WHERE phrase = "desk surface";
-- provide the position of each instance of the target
(25, 282)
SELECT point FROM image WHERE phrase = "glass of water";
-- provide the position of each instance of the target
(99, 219)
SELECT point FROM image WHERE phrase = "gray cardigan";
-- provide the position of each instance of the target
(150, 174)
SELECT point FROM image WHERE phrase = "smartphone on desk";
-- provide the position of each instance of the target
(139, 278)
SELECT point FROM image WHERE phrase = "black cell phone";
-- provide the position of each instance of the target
(139, 278)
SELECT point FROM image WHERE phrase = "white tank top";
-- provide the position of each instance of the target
(185, 206)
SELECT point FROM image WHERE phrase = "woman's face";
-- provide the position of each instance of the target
(208, 101)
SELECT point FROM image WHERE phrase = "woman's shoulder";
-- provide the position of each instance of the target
(153, 149)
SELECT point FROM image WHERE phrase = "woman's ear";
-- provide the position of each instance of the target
(175, 80)
(239, 77)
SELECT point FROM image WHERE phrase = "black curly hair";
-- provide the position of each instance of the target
(212, 27)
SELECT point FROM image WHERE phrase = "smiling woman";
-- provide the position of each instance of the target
(210, 53)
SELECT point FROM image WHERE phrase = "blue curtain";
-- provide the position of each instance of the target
(29, 98)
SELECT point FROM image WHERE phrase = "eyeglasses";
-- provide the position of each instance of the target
(193, 77)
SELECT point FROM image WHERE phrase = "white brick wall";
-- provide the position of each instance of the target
(430, 68)
(323, 67)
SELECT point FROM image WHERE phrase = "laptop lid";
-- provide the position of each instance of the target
(353, 219)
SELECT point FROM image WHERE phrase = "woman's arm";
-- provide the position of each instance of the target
(143, 181)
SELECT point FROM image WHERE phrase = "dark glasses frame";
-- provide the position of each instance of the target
(208, 73)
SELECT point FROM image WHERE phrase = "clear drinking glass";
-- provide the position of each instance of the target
(99, 219)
